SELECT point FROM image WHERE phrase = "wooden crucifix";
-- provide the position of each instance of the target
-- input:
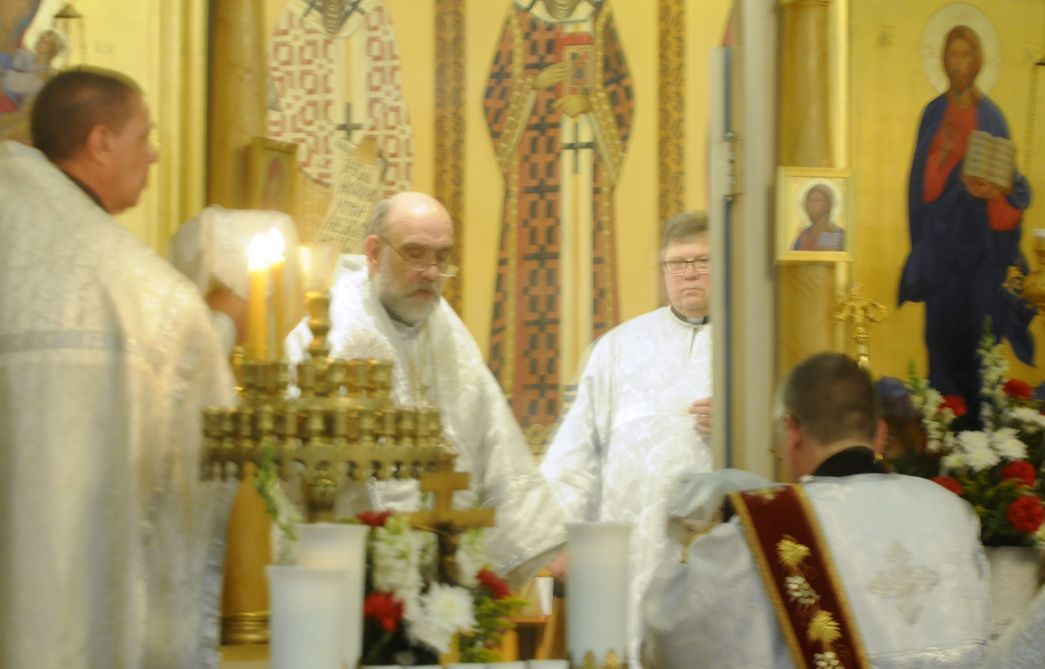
(447, 522)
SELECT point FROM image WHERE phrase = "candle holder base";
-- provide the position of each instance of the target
(246, 627)
(611, 661)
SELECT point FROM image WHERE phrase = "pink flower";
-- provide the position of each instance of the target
(1017, 389)
(1020, 470)
(956, 403)
(384, 608)
(1026, 514)
(951, 484)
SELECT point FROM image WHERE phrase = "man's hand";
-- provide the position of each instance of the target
(557, 567)
(981, 188)
(221, 298)
(701, 410)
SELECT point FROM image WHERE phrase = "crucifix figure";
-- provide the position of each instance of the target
(858, 312)
(448, 523)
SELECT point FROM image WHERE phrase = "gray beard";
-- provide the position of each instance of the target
(399, 308)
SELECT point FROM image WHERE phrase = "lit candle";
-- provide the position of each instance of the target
(258, 262)
(279, 314)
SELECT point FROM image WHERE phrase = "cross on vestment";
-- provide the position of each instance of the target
(447, 522)
(348, 127)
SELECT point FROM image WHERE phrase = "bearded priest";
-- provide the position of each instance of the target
(388, 305)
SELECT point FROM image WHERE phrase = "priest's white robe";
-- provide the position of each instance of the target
(907, 553)
(112, 546)
(439, 364)
(1022, 646)
(629, 434)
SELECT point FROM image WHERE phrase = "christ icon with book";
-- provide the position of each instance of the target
(965, 205)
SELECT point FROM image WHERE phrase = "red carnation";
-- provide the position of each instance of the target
(384, 608)
(1020, 390)
(956, 403)
(949, 483)
(495, 584)
(1021, 471)
(373, 518)
(1026, 514)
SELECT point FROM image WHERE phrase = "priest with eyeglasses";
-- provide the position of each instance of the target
(387, 304)
(642, 412)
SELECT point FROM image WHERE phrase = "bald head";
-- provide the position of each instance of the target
(408, 236)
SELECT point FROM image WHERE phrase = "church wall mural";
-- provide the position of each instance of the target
(930, 233)
(30, 52)
(335, 90)
(558, 106)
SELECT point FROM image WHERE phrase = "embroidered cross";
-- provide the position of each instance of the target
(348, 127)
(903, 582)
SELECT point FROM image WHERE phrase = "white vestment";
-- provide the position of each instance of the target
(629, 434)
(906, 551)
(112, 546)
(1022, 646)
(439, 364)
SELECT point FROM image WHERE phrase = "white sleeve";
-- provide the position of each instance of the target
(1023, 644)
(225, 328)
(573, 463)
(712, 610)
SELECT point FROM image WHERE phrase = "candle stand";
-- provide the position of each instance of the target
(341, 424)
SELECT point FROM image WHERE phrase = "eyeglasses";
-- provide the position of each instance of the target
(701, 264)
(419, 263)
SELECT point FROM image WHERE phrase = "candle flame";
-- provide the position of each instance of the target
(259, 253)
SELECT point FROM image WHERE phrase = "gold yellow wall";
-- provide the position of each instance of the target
(162, 46)
(889, 91)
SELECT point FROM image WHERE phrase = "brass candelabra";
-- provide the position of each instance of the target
(341, 422)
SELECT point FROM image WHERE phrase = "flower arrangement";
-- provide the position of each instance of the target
(998, 468)
(409, 617)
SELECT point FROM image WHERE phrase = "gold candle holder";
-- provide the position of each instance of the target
(610, 661)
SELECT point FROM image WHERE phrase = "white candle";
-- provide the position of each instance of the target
(305, 623)
(597, 590)
(279, 311)
(340, 546)
(258, 261)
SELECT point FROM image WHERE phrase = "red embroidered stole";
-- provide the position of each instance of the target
(799, 575)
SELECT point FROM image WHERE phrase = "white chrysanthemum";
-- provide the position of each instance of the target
(452, 605)
(426, 630)
(1008, 445)
(977, 448)
(443, 611)
(952, 461)
(471, 557)
(1030, 418)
